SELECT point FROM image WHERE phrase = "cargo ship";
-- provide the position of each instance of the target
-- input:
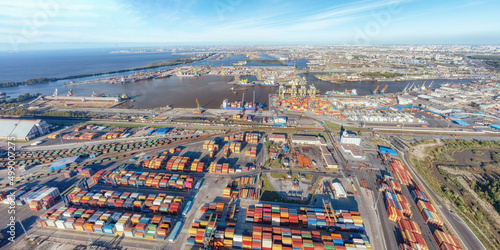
(352, 92)
(237, 105)
(240, 63)
(245, 82)
(269, 83)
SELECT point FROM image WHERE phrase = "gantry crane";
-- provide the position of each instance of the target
(376, 90)
(209, 232)
(383, 90)
(199, 109)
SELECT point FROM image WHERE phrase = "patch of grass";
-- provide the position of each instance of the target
(294, 176)
(320, 134)
(423, 141)
(471, 215)
(405, 137)
(333, 126)
(376, 142)
(478, 152)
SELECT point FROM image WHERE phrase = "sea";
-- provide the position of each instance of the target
(175, 91)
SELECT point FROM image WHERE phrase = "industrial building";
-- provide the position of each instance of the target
(280, 120)
(386, 150)
(64, 162)
(305, 139)
(350, 138)
(22, 130)
(277, 138)
(353, 150)
(339, 190)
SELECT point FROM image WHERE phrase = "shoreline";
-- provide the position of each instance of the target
(40, 80)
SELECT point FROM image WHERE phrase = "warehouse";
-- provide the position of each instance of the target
(162, 131)
(350, 138)
(385, 150)
(64, 162)
(25, 130)
(277, 138)
(461, 123)
(305, 139)
(330, 162)
(353, 150)
(339, 190)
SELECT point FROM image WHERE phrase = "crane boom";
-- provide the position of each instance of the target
(197, 103)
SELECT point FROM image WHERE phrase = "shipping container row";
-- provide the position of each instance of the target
(108, 222)
(153, 203)
(224, 235)
(318, 218)
(225, 168)
(144, 179)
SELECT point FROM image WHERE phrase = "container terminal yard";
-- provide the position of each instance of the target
(303, 170)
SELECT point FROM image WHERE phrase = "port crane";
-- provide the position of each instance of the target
(199, 109)
(303, 91)
(376, 90)
(383, 90)
(281, 91)
(312, 90)
(209, 232)
(70, 92)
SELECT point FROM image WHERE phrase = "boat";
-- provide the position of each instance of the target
(245, 82)
(269, 83)
(240, 63)
(352, 92)
(237, 105)
(238, 88)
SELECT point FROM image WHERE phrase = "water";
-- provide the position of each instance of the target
(176, 91)
(61, 63)
(210, 90)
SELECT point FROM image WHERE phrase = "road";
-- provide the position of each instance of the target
(463, 231)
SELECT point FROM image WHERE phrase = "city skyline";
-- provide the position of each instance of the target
(28, 23)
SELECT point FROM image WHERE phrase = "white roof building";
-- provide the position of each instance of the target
(20, 129)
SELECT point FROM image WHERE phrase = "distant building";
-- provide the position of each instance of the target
(305, 139)
(406, 99)
(339, 190)
(350, 138)
(353, 150)
(64, 162)
(277, 138)
(308, 139)
(386, 150)
(22, 130)
(280, 120)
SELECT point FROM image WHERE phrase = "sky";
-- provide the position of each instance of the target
(27, 23)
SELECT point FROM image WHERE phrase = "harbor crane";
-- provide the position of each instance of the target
(199, 109)
(312, 90)
(303, 91)
(282, 91)
(383, 90)
(376, 90)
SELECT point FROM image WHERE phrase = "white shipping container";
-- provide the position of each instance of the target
(237, 238)
(60, 224)
(69, 225)
(120, 227)
(51, 223)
